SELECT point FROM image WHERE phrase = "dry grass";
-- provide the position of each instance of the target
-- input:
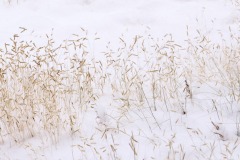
(49, 88)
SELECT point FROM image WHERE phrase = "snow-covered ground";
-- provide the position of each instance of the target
(109, 19)
(160, 79)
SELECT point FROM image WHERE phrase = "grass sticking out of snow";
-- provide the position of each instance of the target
(148, 99)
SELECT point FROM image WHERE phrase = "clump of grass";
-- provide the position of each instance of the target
(40, 92)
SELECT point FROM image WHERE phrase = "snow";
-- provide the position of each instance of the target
(112, 18)
(107, 130)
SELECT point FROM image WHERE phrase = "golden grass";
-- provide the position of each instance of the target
(47, 88)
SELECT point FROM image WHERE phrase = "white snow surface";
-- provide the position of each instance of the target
(111, 18)
(190, 136)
